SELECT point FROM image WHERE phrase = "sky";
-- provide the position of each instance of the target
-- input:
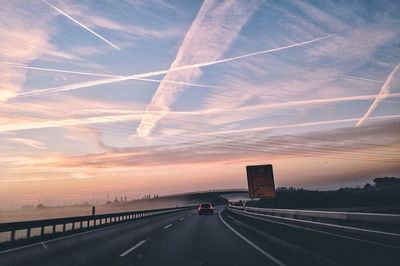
(135, 97)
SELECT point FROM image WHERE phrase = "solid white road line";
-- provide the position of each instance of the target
(165, 227)
(133, 248)
(269, 256)
(181, 219)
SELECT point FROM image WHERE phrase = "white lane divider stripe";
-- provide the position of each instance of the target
(44, 245)
(165, 227)
(181, 219)
(269, 256)
(133, 248)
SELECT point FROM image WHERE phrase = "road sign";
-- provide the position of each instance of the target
(260, 179)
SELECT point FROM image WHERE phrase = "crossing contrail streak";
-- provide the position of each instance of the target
(211, 111)
(326, 122)
(364, 79)
(88, 84)
(83, 26)
(17, 65)
(129, 117)
(69, 122)
(382, 94)
(249, 108)
(299, 103)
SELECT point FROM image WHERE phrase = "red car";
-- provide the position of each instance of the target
(206, 208)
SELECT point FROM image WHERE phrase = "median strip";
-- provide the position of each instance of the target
(133, 248)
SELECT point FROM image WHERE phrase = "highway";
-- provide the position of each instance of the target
(185, 238)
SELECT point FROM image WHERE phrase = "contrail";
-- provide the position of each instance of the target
(166, 95)
(247, 108)
(17, 65)
(382, 94)
(69, 122)
(299, 103)
(240, 109)
(326, 122)
(161, 72)
(256, 53)
(364, 79)
(83, 26)
(130, 117)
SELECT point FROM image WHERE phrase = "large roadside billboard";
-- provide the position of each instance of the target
(260, 179)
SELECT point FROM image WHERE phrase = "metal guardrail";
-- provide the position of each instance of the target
(78, 222)
(345, 216)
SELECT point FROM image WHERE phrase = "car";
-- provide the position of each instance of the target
(206, 208)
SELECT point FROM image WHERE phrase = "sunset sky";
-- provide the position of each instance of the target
(134, 97)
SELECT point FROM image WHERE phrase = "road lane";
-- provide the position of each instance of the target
(100, 247)
(197, 240)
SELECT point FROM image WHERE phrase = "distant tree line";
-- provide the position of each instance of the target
(384, 192)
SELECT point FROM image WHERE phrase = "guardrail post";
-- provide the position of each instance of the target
(94, 222)
(12, 237)
(28, 233)
(42, 231)
(64, 227)
(73, 226)
(54, 228)
(81, 225)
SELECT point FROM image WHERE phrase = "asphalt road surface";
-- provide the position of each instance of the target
(186, 238)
